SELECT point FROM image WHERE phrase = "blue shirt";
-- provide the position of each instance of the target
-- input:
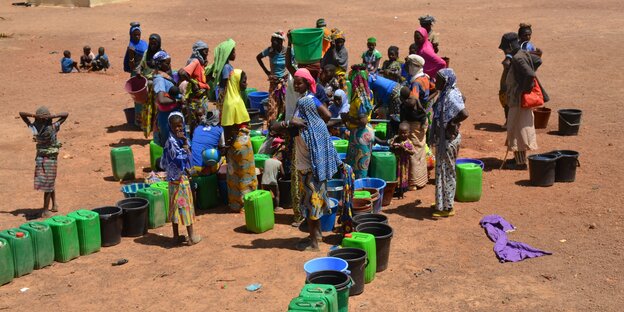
(278, 61)
(382, 87)
(321, 95)
(103, 58)
(161, 84)
(67, 64)
(225, 73)
(204, 137)
(527, 46)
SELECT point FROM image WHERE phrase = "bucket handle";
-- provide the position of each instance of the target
(351, 282)
(37, 226)
(569, 124)
(578, 163)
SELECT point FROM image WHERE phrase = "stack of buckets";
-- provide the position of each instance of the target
(556, 166)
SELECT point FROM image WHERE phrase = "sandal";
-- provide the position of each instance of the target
(443, 213)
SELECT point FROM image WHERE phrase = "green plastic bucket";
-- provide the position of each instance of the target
(340, 280)
(256, 142)
(308, 44)
(341, 145)
(260, 159)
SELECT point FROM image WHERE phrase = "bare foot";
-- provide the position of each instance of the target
(54, 208)
(194, 240)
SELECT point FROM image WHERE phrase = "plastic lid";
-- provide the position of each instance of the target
(19, 234)
(349, 235)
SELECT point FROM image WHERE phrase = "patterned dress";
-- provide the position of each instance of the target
(241, 170)
(46, 161)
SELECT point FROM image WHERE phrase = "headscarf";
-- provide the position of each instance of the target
(427, 19)
(417, 61)
(160, 56)
(279, 35)
(510, 40)
(371, 40)
(151, 51)
(175, 160)
(221, 55)
(234, 111)
(197, 46)
(211, 118)
(337, 34)
(433, 63)
(305, 74)
(449, 103)
(320, 23)
(139, 48)
(42, 111)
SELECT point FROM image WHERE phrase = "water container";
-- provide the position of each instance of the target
(325, 263)
(111, 224)
(362, 194)
(342, 281)
(285, 199)
(329, 220)
(381, 131)
(308, 44)
(260, 159)
(369, 217)
(256, 98)
(130, 190)
(375, 183)
(130, 114)
(254, 116)
(163, 187)
(7, 269)
(155, 153)
(256, 143)
(135, 216)
(137, 88)
(88, 225)
(335, 189)
(341, 145)
(541, 116)
(383, 166)
(469, 182)
(259, 215)
(207, 191)
(478, 162)
(365, 242)
(383, 236)
(42, 241)
(361, 206)
(569, 121)
(324, 292)
(565, 170)
(255, 133)
(22, 250)
(389, 193)
(65, 234)
(542, 169)
(342, 156)
(156, 210)
(122, 161)
(356, 258)
(301, 304)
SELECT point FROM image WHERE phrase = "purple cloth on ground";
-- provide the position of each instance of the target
(496, 229)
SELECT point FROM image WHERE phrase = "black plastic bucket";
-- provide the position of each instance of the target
(338, 279)
(567, 162)
(135, 216)
(130, 115)
(254, 114)
(284, 189)
(569, 121)
(542, 169)
(111, 224)
(369, 217)
(356, 258)
(383, 236)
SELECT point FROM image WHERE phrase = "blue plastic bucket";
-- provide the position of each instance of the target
(342, 156)
(326, 264)
(328, 221)
(256, 98)
(129, 190)
(380, 148)
(378, 184)
(470, 161)
(335, 138)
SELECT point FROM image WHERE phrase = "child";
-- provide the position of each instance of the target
(207, 135)
(100, 62)
(176, 161)
(371, 57)
(403, 148)
(272, 169)
(67, 64)
(87, 58)
(44, 134)
(391, 68)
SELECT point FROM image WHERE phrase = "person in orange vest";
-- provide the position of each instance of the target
(320, 23)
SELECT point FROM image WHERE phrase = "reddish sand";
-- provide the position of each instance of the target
(439, 265)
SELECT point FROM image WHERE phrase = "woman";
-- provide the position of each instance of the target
(317, 160)
(221, 69)
(508, 41)
(241, 169)
(433, 63)
(277, 75)
(449, 113)
(136, 48)
(362, 135)
(524, 34)
(520, 128)
(145, 114)
(415, 114)
(165, 105)
(193, 82)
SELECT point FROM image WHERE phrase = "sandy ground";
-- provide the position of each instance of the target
(442, 265)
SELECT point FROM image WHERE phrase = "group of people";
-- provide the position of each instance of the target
(88, 61)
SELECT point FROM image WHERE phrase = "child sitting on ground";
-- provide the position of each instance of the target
(176, 160)
(67, 64)
(403, 148)
(87, 58)
(391, 68)
(100, 62)
(371, 57)
(273, 168)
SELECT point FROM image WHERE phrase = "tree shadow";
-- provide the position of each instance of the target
(151, 239)
(274, 243)
(488, 126)
(129, 142)
(122, 127)
(416, 210)
(27, 213)
(526, 183)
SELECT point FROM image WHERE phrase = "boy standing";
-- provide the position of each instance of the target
(371, 56)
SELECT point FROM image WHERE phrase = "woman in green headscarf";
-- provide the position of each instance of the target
(220, 71)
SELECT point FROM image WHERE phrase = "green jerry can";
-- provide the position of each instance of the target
(163, 187)
(155, 153)
(42, 241)
(383, 166)
(22, 250)
(156, 213)
(341, 146)
(122, 161)
(65, 234)
(366, 242)
(256, 142)
(260, 159)
(469, 182)
(381, 130)
(88, 225)
(207, 191)
(327, 293)
(7, 268)
(300, 304)
(259, 215)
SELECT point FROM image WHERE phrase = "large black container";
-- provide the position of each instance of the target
(135, 216)
(542, 169)
(567, 162)
(285, 198)
(369, 217)
(383, 236)
(111, 224)
(357, 260)
(569, 121)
